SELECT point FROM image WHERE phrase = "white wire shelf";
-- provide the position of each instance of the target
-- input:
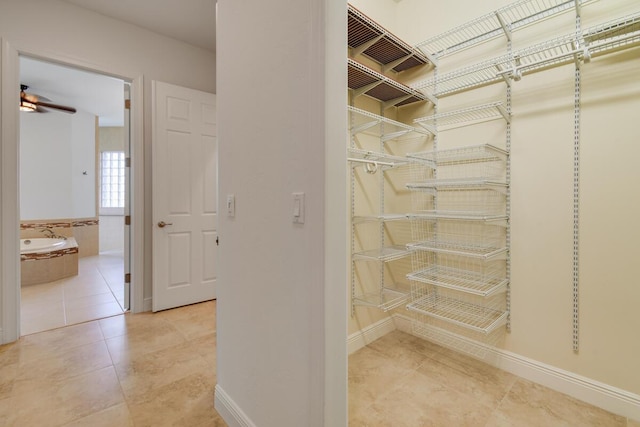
(478, 345)
(456, 215)
(362, 80)
(471, 316)
(473, 76)
(459, 249)
(386, 299)
(379, 218)
(613, 35)
(470, 282)
(599, 40)
(384, 254)
(459, 184)
(464, 117)
(365, 36)
(386, 129)
(500, 22)
(470, 163)
(462, 155)
(457, 199)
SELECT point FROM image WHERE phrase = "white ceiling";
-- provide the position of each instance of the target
(191, 21)
(94, 93)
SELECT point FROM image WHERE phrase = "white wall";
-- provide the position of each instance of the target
(83, 164)
(542, 192)
(272, 302)
(96, 42)
(45, 166)
(55, 149)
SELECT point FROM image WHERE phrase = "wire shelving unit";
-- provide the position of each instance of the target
(362, 80)
(384, 128)
(614, 35)
(462, 280)
(462, 313)
(367, 37)
(459, 227)
(464, 116)
(501, 22)
(380, 259)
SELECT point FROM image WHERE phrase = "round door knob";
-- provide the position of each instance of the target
(163, 224)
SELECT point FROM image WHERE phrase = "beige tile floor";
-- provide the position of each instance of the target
(96, 292)
(160, 370)
(400, 380)
(128, 370)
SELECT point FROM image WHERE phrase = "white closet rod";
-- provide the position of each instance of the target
(372, 162)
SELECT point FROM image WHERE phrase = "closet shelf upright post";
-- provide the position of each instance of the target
(377, 256)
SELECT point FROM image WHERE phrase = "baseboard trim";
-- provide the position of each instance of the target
(602, 395)
(229, 411)
(147, 304)
(365, 336)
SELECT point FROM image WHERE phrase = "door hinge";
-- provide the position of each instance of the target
(127, 104)
(127, 220)
(127, 278)
(127, 162)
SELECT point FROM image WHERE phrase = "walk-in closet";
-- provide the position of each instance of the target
(492, 162)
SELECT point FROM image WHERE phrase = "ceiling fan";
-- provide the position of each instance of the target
(39, 104)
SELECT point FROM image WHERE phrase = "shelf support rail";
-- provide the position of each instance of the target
(576, 195)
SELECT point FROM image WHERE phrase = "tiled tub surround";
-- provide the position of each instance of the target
(84, 230)
(44, 266)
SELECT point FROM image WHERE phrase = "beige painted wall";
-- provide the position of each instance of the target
(542, 189)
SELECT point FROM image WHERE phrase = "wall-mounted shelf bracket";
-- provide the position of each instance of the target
(394, 135)
(503, 73)
(364, 126)
(505, 27)
(364, 46)
(391, 65)
(395, 101)
(430, 129)
(364, 89)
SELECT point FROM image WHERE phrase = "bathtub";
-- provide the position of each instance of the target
(44, 260)
(40, 245)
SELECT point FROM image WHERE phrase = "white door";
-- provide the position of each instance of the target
(184, 196)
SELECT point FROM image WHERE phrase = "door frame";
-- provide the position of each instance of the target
(9, 190)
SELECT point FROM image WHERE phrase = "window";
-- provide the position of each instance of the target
(112, 189)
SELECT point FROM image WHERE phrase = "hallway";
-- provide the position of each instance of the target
(130, 370)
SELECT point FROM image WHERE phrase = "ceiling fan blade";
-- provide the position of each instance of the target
(62, 108)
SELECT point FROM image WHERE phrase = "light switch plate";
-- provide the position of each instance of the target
(298, 208)
(231, 205)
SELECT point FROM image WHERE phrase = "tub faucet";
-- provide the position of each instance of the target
(50, 234)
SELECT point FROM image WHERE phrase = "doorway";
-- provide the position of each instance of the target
(73, 188)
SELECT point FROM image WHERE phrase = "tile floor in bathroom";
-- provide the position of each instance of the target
(96, 292)
(159, 369)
